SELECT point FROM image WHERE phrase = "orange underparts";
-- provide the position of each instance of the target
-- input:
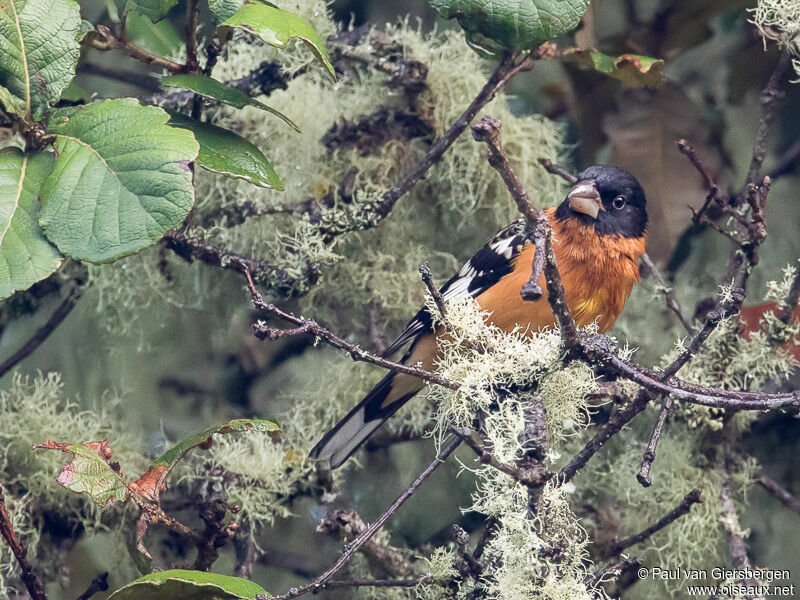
(598, 274)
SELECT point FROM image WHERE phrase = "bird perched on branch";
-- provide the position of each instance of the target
(599, 233)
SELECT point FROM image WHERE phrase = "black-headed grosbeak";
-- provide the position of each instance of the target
(599, 234)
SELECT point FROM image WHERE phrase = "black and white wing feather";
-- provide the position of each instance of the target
(491, 263)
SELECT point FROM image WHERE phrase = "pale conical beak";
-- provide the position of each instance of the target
(584, 198)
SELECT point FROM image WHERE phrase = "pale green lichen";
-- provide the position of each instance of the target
(779, 20)
(32, 411)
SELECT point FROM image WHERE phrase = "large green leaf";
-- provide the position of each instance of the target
(216, 90)
(224, 9)
(223, 151)
(518, 24)
(161, 38)
(155, 9)
(90, 471)
(277, 27)
(122, 179)
(38, 50)
(25, 255)
(188, 585)
(632, 70)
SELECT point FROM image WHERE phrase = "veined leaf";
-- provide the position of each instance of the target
(25, 254)
(224, 9)
(216, 90)
(10, 103)
(161, 38)
(276, 27)
(631, 69)
(518, 24)
(194, 585)
(90, 471)
(121, 179)
(154, 9)
(223, 151)
(38, 50)
(150, 483)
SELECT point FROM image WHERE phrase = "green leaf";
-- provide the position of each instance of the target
(223, 151)
(154, 9)
(632, 70)
(216, 90)
(122, 179)
(276, 27)
(172, 456)
(150, 484)
(162, 38)
(90, 471)
(517, 24)
(188, 585)
(10, 103)
(38, 50)
(224, 9)
(25, 255)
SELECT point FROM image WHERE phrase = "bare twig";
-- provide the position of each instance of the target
(98, 584)
(192, 248)
(786, 162)
(777, 491)
(344, 524)
(676, 513)
(103, 39)
(737, 545)
(488, 131)
(666, 289)
(32, 583)
(41, 334)
(559, 170)
(487, 458)
(382, 583)
(427, 279)
(263, 331)
(350, 550)
(508, 68)
(192, 10)
(770, 100)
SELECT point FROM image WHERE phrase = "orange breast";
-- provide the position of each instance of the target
(598, 275)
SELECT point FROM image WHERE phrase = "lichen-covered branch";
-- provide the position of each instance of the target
(32, 583)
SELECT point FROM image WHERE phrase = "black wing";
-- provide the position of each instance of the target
(491, 263)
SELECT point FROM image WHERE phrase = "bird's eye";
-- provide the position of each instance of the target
(619, 202)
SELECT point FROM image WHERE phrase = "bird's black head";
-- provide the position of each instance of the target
(609, 199)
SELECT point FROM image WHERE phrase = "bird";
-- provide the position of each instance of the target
(599, 232)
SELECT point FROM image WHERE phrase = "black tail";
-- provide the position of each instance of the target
(369, 414)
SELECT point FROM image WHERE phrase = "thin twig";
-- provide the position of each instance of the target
(98, 584)
(32, 583)
(676, 513)
(41, 334)
(104, 39)
(263, 331)
(666, 289)
(770, 100)
(777, 491)
(737, 545)
(488, 130)
(353, 547)
(504, 72)
(427, 279)
(382, 583)
(559, 170)
(192, 10)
